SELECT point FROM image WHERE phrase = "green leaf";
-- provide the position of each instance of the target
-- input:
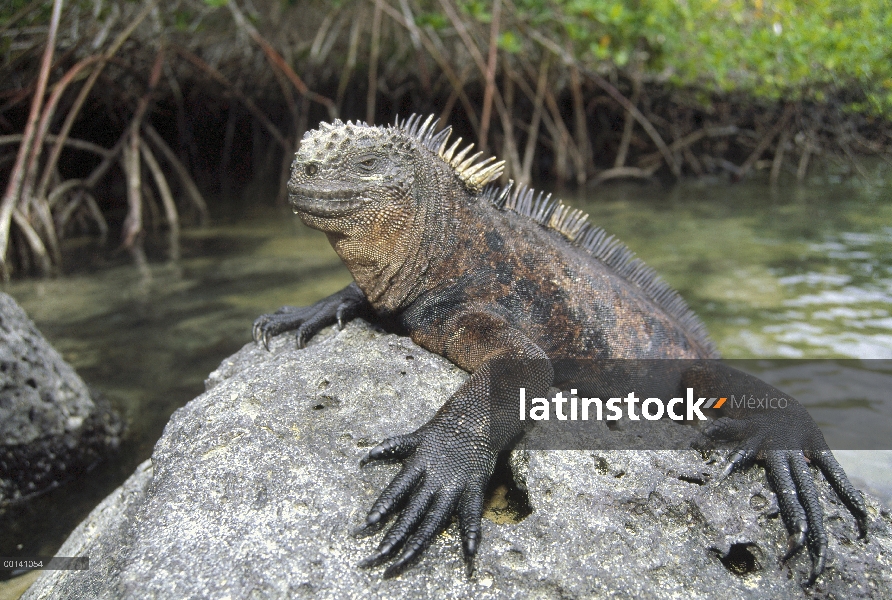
(509, 42)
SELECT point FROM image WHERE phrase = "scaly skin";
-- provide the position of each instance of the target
(510, 288)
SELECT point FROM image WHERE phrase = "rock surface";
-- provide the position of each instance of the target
(255, 485)
(50, 426)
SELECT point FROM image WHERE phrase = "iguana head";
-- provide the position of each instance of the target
(344, 170)
(383, 194)
(346, 173)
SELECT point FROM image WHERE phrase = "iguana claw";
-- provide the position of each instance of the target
(429, 489)
(783, 439)
(340, 308)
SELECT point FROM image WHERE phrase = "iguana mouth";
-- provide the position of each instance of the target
(325, 203)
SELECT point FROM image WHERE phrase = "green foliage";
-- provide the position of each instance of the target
(181, 19)
(477, 9)
(12, 8)
(796, 49)
(436, 20)
(510, 42)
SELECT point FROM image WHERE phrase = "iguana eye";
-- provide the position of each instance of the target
(311, 169)
(368, 163)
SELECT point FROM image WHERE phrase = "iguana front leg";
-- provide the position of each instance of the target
(450, 459)
(783, 437)
(340, 307)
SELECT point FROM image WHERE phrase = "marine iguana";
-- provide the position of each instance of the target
(479, 274)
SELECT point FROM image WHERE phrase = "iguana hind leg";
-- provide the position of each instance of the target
(783, 437)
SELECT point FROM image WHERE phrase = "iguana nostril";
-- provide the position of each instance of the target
(311, 169)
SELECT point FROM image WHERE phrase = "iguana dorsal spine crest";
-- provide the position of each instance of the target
(571, 223)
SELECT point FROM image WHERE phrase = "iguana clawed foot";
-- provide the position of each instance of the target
(338, 308)
(771, 436)
(443, 474)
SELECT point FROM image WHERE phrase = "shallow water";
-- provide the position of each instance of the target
(799, 272)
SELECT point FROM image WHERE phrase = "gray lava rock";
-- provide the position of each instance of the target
(255, 485)
(50, 426)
